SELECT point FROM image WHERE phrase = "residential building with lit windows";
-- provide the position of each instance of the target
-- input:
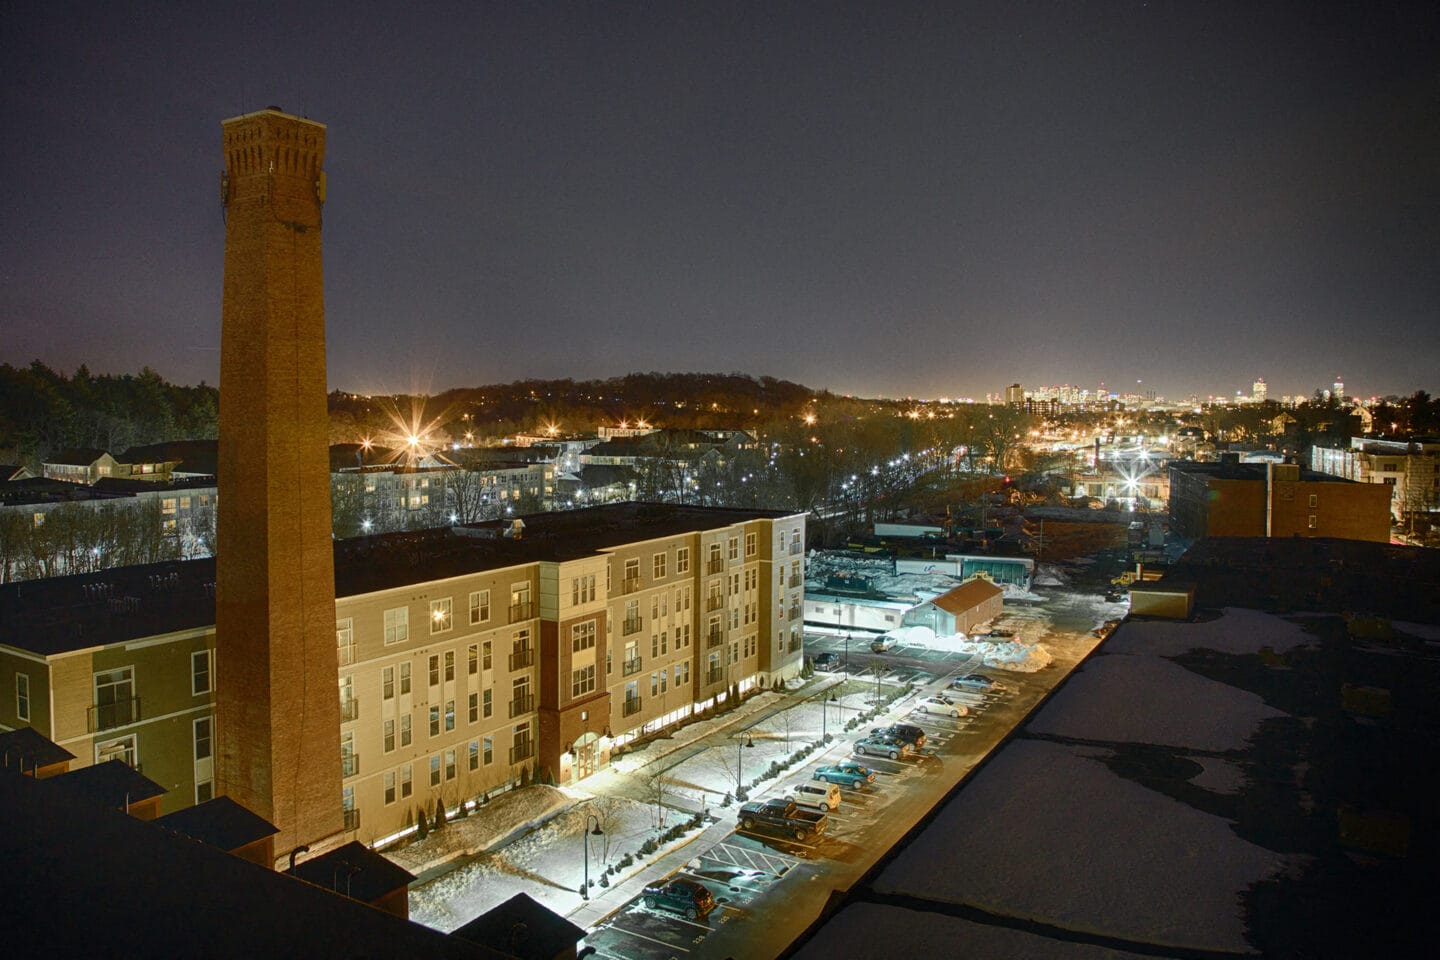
(1407, 467)
(464, 654)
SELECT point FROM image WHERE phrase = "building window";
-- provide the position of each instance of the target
(389, 787)
(732, 548)
(1312, 522)
(682, 560)
(22, 696)
(449, 665)
(750, 547)
(434, 664)
(406, 780)
(397, 625)
(115, 703)
(404, 679)
(389, 744)
(121, 748)
(485, 655)
(387, 683)
(435, 770)
(449, 714)
(449, 764)
(488, 752)
(582, 636)
(480, 606)
(474, 705)
(405, 730)
(487, 704)
(441, 618)
(1314, 500)
(474, 754)
(657, 566)
(472, 659)
(202, 739)
(204, 790)
(582, 681)
(435, 720)
(582, 589)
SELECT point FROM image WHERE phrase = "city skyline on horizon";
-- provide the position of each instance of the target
(924, 200)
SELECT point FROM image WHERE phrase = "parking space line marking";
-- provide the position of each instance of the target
(686, 919)
(642, 936)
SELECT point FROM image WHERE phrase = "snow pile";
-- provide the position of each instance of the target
(1049, 575)
(1048, 834)
(998, 654)
(1139, 699)
(632, 761)
(487, 826)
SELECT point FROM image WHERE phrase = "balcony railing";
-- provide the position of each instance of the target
(631, 706)
(352, 820)
(349, 710)
(714, 676)
(108, 716)
(522, 611)
(346, 654)
(795, 644)
(796, 549)
(713, 603)
(714, 566)
(523, 750)
(521, 705)
(521, 659)
(794, 611)
(349, 764)
(796, 580)
(631, 625)
(630, 666)
(713, 639)
(630, 585)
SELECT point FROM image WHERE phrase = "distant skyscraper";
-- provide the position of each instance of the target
(1259, 390)
(1338, 391)
(1014, 395)
(277, 709)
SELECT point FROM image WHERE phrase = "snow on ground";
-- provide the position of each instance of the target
(1236, 631)
(1047, 834)
(548, 863)
(869, 931)
(632, 761)
(487, 826)
(1219, 775)
(1148, 699)
(999, 654)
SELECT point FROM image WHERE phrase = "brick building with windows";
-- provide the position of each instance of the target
(1233, 499)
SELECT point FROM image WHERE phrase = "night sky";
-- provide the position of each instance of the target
(882, 199)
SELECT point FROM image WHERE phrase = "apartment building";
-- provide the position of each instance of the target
(464, 655)
(1234, 499)
(1407, 467)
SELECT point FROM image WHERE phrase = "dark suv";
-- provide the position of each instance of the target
(904, 732)
(687, 897)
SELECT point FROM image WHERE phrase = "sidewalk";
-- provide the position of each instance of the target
(606, 900)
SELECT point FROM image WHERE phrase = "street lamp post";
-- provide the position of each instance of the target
(749, 741)
(585, 887)
(847, 653)
(825, 713)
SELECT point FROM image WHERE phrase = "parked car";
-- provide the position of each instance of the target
(882, 644)
(782, 814)
(975, 681)
(820, 796)
(881, 746)
(856, 776)
(942, 705)
(904, 732)
(826, 661)
(681, 895)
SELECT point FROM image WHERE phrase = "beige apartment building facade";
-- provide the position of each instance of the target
(463, 656)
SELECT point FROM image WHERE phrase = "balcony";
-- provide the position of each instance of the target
(713, 603)
(347, 654)
(630, 585)
(349, 710)
(349, 764)
(522, 705)
(714, 566)
(631, 625)
(521, 659)
(715, 676)
(631, 706)
(794, 611)
(523, 750)
(108, 716)
(795, 644)
(796, 549)
(522, 611)
(713, 639)
(352, 820)
(797, 580)
(631, 666)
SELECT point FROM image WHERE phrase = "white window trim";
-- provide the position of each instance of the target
(209, 672)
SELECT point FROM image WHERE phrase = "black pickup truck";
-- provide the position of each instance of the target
(783, 815)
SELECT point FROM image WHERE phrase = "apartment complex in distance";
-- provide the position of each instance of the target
(1234, 499)
(464, 654)
(1407, 467)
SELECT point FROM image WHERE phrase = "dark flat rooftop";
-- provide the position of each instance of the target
(354, 871)
(523, 928)
(108, 784)
(220, 822)
(25, 749)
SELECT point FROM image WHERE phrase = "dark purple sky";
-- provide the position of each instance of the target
(880, 198)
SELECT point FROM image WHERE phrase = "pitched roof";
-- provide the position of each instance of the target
(522, 928)
(354, 871)
(220, 822)
(192, 456)
(967, 596)
(76, 456)
(27, 748)
(108, 784)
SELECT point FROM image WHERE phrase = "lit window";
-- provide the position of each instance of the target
(440, 615)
